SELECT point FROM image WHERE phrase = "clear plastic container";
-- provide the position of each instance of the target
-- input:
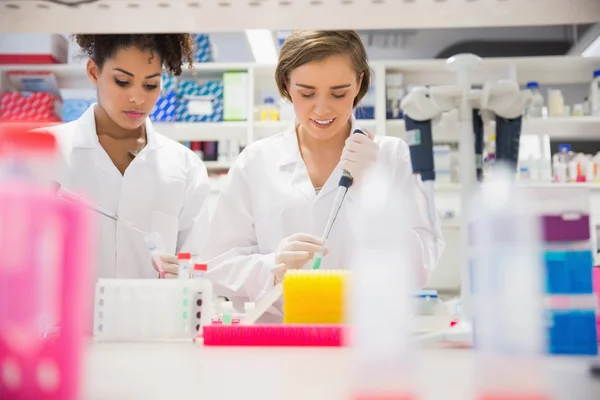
(380, 295)
(537, 108)
(507, 289)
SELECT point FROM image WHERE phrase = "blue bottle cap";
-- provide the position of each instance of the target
(269, 100)
(596, 73)
(564, 148)
(532, 85)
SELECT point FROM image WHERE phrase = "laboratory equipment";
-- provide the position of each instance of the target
(151, 309)
(227, 312)
(595, 94)
(269, 110)
(45, 272)
(556, 103)
(69, 195)
(156, 247)
(200, 270)
(269, 299)
(384, 267)
(311, 297)
(568, 259)
(537, 107)
(184, 265)
(27, 155)
(274, 335)
(426, 302)
(507, 289)
(346, 181)
(507, 102)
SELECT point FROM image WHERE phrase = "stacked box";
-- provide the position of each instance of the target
(164, 109)
(30, 107)
(75, 102)
(569, 259)
(199, 101)
(203, 51)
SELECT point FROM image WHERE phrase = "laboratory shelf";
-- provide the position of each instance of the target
(203, 132)
(162, 16)
(564, 128)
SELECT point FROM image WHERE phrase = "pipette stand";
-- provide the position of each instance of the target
(462, 333)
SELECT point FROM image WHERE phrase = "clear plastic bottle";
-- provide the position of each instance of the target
(537, 108)
(380, 299)
(507, 289)
(595, 94)
(269, 110)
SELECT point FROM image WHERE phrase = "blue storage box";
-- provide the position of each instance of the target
(203, 51)
(74, 108)
(199, 101)
(572, 332)
(168, 83)
(164, 110)
(569, 272)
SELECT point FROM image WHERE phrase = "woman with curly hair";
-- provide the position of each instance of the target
(115, 159)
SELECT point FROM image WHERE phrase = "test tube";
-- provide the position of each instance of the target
(507, 288)
(184, 265)
(380, 296)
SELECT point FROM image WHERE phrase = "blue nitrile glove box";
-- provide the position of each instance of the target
(199, 101)
(203, 51)
(164, 110)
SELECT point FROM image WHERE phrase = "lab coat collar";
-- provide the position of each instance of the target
(87, 137)
(300, 178)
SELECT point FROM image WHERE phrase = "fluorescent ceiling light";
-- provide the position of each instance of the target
(262, 45)
(593, 50)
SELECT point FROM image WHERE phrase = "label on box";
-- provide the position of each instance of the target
(200, 107)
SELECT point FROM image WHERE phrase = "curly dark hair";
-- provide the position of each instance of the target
(173, 49)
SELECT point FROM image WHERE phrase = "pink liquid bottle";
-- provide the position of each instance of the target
(45, 275)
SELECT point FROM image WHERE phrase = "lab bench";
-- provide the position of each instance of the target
(178, 370)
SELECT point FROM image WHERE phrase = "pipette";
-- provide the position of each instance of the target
(68, 195)
(346, 181)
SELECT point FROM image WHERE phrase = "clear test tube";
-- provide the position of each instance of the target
(379, 300)
(507, 287)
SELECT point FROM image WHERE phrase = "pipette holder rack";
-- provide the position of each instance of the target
(569, 248)
(151, 310)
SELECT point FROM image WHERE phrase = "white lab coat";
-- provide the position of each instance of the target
(163, 190)
(270, 196)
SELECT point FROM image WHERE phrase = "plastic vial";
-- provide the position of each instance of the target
(227, 312)
(381, 292)
(507, 289)
(184, 265)
(537, 107)
(199, 270)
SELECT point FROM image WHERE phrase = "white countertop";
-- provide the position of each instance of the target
(178, 370)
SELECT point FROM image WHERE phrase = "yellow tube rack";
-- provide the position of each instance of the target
(314, 296)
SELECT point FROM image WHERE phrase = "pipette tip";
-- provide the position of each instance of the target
(317, 263)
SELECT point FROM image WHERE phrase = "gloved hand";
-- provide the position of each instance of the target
(168, 264)
(294, 251)
(359, 153)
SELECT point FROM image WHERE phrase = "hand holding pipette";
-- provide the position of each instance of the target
(294, 251)
(358, 155)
